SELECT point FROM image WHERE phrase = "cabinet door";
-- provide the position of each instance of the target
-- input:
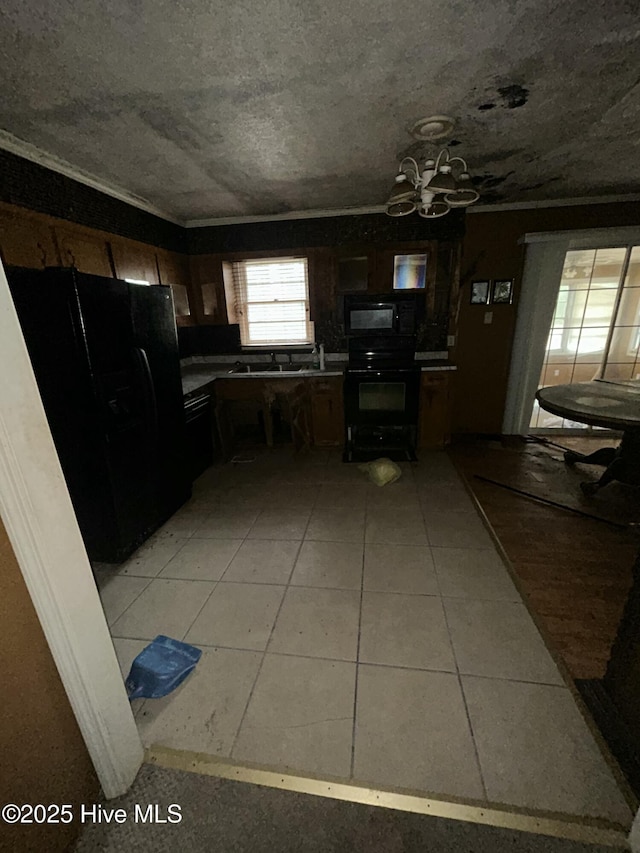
(27, 242)
(135, 261)
(327, 412)
(208, 290)
(86, 252)
(173, 272)
(435, 410)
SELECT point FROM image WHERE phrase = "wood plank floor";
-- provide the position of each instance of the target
(575, 571)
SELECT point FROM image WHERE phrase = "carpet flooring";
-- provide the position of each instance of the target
(234, 817)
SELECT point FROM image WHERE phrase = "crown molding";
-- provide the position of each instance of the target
(14, 145)
(555, 202)
(281, 217)
(380, 208)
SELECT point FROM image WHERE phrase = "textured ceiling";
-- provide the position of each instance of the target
(254, 107)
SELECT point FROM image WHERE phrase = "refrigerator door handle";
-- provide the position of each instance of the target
(149, 389)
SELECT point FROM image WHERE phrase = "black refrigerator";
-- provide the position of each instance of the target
(105, 357)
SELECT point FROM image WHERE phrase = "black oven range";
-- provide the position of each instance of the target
(381, 394)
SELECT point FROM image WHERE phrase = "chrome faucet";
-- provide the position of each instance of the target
(273, 358)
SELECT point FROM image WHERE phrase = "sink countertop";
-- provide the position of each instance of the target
(194, 376)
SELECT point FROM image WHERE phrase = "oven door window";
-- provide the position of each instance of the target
(382, 396)
(374, 319)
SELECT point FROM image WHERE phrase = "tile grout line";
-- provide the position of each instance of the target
(259, 669)
(455, 658)
(120, 615)
(273, 626)
(357, 667)
(462, 693)
(145, 587)
(215, 583)
(375, 664)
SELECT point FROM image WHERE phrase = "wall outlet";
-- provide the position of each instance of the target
(451, 340)
(488, 317)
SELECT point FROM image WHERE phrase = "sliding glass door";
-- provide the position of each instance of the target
(595, 331)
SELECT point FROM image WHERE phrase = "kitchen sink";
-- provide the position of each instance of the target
(252, 368)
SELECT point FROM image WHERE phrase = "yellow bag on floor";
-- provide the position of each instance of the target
(381, 471)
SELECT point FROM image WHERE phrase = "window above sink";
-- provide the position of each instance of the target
(269, 299)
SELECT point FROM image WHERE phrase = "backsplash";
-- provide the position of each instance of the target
(208, 340)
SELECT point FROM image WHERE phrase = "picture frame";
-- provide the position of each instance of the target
(480, 292)
(502, 292)
(410, 271)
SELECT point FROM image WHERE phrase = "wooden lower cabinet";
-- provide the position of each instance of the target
(321, 397)
(434, 428)
(327, 411)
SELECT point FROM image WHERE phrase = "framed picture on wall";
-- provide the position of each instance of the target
(479, 292)
(409, 272)
(502, 291)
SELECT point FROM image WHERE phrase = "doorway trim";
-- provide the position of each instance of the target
(542, 270)
(41, 524)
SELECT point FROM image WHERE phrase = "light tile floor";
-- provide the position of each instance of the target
(357, 632)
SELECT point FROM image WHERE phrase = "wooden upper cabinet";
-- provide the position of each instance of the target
(208, 289)
(174, 268)
(84, 251)
(134, 261)
(174, 272)
(354, 268)
(27, 241)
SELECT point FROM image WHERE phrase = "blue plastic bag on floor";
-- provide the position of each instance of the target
(160, 668)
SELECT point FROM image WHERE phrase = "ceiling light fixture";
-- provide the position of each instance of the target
(432, 128)
(443, 183)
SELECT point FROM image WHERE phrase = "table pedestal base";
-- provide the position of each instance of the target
(621, 463)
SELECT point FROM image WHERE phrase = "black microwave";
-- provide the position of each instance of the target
(382, 313)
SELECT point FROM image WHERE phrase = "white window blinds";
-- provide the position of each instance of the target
(271, 301)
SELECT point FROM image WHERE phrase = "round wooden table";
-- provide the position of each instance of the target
(604, 403)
